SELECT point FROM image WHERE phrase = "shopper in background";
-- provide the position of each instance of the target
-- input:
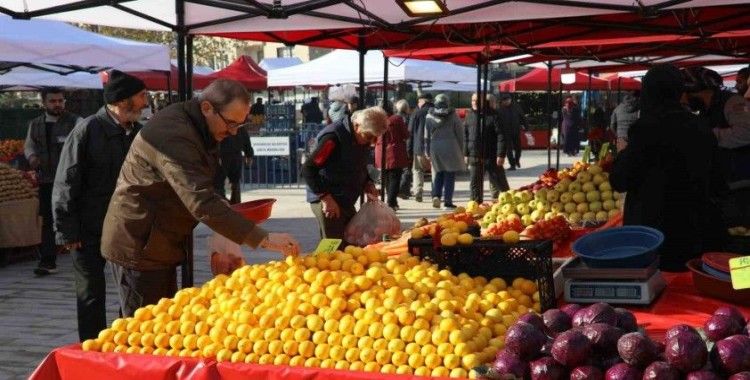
(234, 151)
(728, 116)
(44, 142)
(571, 120)
(443, 145)
(393, 144)
(415, 144)
(85, 180)
(166, 187)
(623, 116)
(666, 171)
(513, 122)
(336, 173)
(490, 147)
(311, 112)
(258, 108)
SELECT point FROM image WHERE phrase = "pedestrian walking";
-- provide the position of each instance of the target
(443, 146)
(393, 144)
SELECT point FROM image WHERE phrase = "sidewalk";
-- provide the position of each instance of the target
(38, 314)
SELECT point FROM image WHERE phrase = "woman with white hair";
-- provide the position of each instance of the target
(393, 144)
(336, 173)
(443, 144)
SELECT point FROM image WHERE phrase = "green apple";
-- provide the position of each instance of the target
(574, 218)
(582, 207)
(593, 196)
(499, 218)
(595, 169)
(543, 206)
(595, 206)
(556, 207)
(570, 207)
(612, 213)
(550, 215)
(523, 209)
(507, 208)
(527, 220)
(598, 179)
(605, 186)
(584, 177)
(579, 197)
(526, 196)
(541, 195)
(619, 203)
(512, 216)
(566, 197)
(536, 215)
(589, 217)
(608, 205)
(617, 195)
(588, 186)
(561, 187)
(606, 195)
(552, 196)
(505, 197)
(574, 187)
(602, 216)
(496, 207)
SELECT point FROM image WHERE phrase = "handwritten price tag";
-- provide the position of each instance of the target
(739, 269)
(328, 246)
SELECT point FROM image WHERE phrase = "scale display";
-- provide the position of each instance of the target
(605, 291)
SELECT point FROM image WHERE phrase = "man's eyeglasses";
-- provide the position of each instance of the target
(231, 124)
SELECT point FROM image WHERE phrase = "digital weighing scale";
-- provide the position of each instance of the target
(615, 286)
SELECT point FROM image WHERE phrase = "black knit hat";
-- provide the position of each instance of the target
(121, 86)
(700, 78)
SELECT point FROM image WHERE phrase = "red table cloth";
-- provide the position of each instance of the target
(678, 304)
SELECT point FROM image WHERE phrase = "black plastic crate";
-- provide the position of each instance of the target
(491, 258)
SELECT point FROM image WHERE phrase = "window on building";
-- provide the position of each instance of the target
(284, 52)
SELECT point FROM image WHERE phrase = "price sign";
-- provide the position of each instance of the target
(739, 269)
(327, 246)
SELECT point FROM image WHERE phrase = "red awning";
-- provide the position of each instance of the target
(246, 71)
(622, 83)
(157, 80)
(536, 80)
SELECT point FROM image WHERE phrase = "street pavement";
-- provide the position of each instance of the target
(38, 314)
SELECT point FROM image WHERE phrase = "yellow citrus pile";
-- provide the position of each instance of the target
(354, 310)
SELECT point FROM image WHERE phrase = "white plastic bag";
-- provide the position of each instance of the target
(530, 139)
(372, 221)
(226, 255)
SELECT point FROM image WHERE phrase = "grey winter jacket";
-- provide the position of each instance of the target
(48, 146)
(624, 115)
(444, 141)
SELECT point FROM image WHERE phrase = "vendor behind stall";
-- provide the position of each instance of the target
(665, 169)
(166, 187)
(336, 173)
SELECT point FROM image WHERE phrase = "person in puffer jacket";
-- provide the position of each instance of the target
(623, 116)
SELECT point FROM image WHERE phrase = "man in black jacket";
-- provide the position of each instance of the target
(44, 141)
(90, 163)
(414, 144)
(484, 152)
(512, 121)
(234, 151)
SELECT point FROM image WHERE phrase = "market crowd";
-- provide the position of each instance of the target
(118, 193)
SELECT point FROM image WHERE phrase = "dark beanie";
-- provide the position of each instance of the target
(121, 86)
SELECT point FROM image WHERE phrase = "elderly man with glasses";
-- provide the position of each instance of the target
(166, 187)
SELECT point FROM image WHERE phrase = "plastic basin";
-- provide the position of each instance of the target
(619, 247)
(257, 211)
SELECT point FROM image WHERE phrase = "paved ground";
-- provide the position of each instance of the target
(39, 314)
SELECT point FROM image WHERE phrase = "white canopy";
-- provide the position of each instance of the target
(347, 14)
(342, 66)
(269, 64)
(26, 78)
(455, 87)
(57, 43)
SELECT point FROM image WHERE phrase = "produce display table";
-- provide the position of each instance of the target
(678, 304)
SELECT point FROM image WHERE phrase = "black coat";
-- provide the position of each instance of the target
(493, 138)
(416, 129)
(666, 172)
(89, 166)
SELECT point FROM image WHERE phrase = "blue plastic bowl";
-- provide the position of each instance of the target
(619, 247)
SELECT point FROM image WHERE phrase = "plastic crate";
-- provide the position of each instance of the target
(491, 258)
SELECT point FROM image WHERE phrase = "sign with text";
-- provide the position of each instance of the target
(270, 146)
(328, 246)
(739, 269)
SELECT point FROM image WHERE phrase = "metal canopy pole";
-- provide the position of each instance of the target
(362, 51)
(169, 85)
(187, 264)
(383, 179)
(189, 67)
(559, 127)
(181, 88)
(588, 111)
(549, 116)
(481, 102)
